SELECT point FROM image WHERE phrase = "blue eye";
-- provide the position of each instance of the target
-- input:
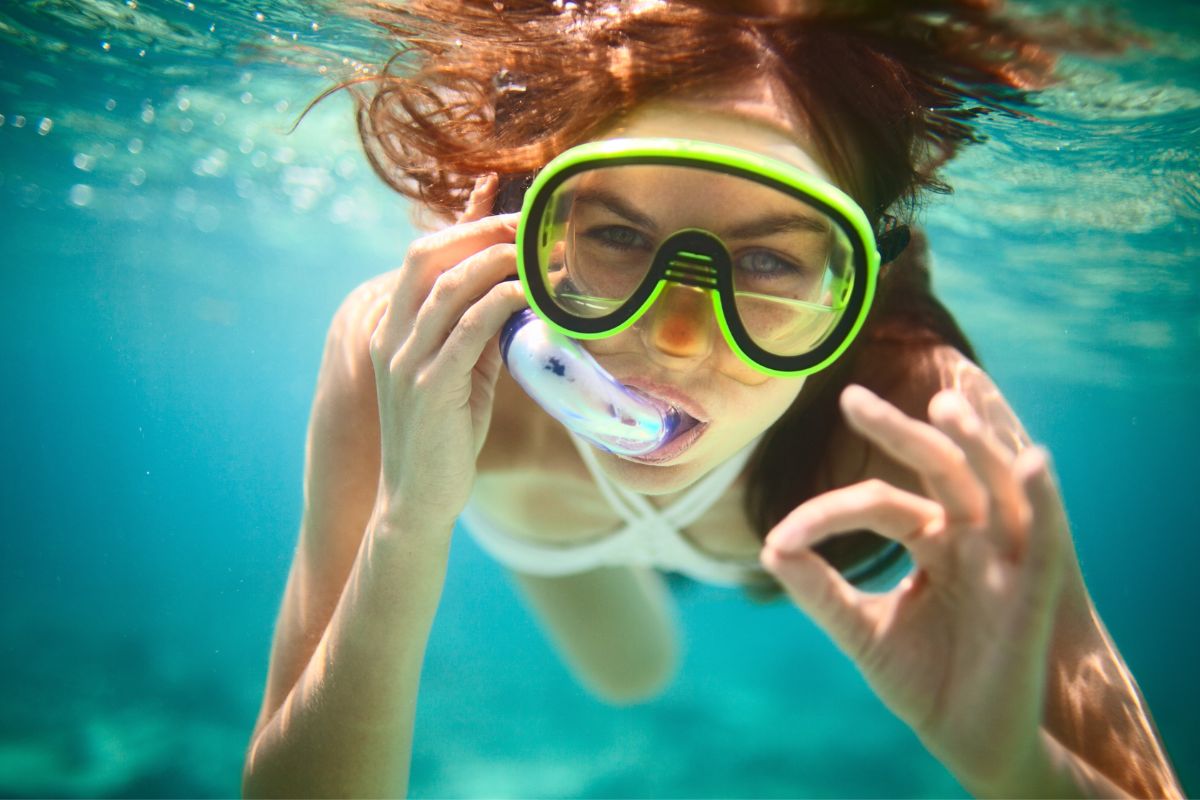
(617, 237)
(765, 264)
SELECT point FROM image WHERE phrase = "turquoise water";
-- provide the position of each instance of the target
(172, 258)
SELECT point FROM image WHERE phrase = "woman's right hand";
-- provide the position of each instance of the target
(436, 357)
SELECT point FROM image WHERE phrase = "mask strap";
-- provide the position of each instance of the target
(892, 239)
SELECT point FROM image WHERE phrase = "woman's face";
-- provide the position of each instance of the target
(676, 351)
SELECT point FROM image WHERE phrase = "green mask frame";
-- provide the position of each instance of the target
(694, 256)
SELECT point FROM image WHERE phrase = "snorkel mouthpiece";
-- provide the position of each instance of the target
(566, 381)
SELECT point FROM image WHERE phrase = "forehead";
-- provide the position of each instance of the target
(755, 116)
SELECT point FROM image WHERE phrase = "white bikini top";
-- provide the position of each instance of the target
(651, 537)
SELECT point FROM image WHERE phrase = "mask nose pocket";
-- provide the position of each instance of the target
(680, 323)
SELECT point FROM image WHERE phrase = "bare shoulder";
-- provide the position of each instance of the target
(349, 338)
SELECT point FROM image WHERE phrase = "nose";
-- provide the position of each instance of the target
(680, 324)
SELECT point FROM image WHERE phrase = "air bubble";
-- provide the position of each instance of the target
(137, 176)
(247, 98)
(105, 46)
(186, 126)
(147, 115)
(315, 27)
(258, 15)
(18, 121)
(81, 195)
(110, 104)
(281, 106)
(84, 162)
(134, 146)
(184, 104)
(191, 6)
(45, 124)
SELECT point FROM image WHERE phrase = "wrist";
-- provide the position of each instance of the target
(397, 516)
(1049, 769)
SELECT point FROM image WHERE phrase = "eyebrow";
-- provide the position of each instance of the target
(763, 226)
(617, 206)
(779, 223)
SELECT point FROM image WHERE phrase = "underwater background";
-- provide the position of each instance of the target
(171, 259)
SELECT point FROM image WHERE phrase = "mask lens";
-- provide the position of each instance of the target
(597, 240)
(792, 265)
(791, 284)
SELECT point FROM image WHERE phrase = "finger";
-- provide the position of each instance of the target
(482, 198)
(819, 591)
(874, 505)
(478, 327)
(453, 293)
(991, 462)
(432, 255)
(937, 460)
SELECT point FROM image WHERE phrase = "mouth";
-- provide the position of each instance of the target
(690, 427)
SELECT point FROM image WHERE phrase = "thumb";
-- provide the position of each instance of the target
(483, 196)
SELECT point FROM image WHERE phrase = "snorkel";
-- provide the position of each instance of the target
(563, 378)
(566, 381)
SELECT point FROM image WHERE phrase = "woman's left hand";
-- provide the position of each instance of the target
(959, 649)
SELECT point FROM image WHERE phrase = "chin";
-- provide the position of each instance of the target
(652, 479)
(665, 478)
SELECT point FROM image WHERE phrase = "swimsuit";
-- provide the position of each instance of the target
(650, 538)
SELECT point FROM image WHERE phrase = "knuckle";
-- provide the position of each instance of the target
(876, 490)
(444, 286)
(378, 348)
(420, 250)
(470, 323)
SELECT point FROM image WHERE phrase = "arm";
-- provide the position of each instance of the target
(337, 713)
(1097, 731)
(614, 627)
(403, 406)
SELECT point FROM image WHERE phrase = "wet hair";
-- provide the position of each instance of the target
(889, 88)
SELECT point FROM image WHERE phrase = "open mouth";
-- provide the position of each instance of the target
(686, 431)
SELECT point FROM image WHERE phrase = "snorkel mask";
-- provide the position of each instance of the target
(787, 262)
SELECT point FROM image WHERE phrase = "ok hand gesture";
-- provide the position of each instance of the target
(959, 649)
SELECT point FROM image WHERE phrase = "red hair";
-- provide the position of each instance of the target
(889, 88)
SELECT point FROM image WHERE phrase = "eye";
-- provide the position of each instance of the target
(617, 237)
(765, 264)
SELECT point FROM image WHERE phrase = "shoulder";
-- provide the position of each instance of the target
(345, 402)
(347, 358)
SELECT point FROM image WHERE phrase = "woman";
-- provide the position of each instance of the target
(812, 479)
